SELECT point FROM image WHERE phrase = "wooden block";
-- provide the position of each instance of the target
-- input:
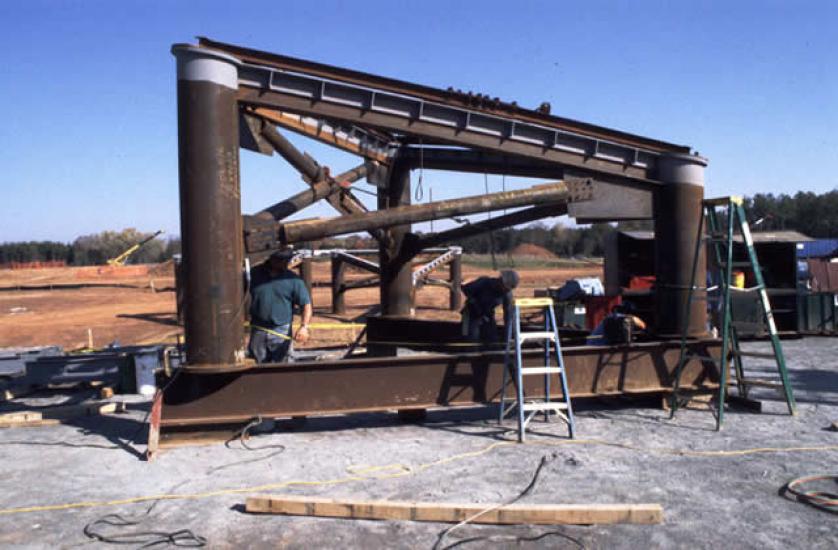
(33, 416)
(444, 512)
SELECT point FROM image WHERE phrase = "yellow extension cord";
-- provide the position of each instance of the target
(361, 473)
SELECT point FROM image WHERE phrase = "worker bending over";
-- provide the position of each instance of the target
(618, 327)
(483, 295)
(275, 291)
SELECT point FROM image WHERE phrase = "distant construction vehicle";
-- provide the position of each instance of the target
(123, 257)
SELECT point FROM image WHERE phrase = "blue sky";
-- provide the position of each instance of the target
(87, 92)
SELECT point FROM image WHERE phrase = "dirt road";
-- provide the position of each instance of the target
(137, 305)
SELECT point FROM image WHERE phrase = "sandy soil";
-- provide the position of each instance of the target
(137, 306)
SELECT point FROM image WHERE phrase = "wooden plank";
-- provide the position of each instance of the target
(444, 512)
(31, 417)
(34, 423)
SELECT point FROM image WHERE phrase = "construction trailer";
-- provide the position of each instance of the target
(629, 272)
(231, 97)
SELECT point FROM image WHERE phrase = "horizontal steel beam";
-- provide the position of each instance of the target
(457, 234)
(308, 230)
(420, 381)
(480, 162)
(456, 99)
(353, 140)
(355, 261)
(462, 128)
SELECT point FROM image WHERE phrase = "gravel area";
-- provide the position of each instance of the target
(716, 500)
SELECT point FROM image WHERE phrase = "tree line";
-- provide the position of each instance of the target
(94, 249)
(813, 214)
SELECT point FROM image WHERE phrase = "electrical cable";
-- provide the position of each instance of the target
(822, 500)
(242, 437)
(527, 490)
(146, 539)
(395, 470)
(420, 192)
(516, 539)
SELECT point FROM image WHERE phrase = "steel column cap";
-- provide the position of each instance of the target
(681, 168)
(200, 64)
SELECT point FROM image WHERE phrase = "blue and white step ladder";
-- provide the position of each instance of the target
(528, 408)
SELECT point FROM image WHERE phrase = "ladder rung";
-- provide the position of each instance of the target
(722, 201)
(545, 406)
(759, 354)
(762, 382)
(540, 370)
(537, 336)
(748, 289)
(533, 302)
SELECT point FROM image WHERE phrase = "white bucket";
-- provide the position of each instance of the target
(144, 366)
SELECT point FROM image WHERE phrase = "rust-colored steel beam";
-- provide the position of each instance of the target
(501, 222)
(479, 162)
(396, 277)
(344, 202)
(584, 160)
(479, 103)
(419, 381)
(210, 207)
(319, 190)
(365, 145)
(304, 164)
(308, 230)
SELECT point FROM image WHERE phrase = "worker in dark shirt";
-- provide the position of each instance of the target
(483, 295)
(275, 291)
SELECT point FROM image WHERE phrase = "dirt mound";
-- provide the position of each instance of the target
(528, 249)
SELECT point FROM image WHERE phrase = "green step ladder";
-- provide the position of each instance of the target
(515, 370)
(721, 240)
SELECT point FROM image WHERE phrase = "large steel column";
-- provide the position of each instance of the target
(677, 211)
(210, 206)
(396, 275)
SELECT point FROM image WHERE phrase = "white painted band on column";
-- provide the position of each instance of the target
(203, 65)
(681, 168)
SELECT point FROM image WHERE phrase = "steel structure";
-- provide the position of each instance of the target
(229, 96)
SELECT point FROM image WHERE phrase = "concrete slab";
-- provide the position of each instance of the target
(726, 499)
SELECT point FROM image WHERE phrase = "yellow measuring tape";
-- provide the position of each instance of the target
(311, 325)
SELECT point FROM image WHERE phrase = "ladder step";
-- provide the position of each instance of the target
(545, 406)
(749, 289)
(540, 370)
(537, 336)
(759, 354)
(721, 201)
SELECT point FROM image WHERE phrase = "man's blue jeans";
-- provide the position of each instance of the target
(270, 348)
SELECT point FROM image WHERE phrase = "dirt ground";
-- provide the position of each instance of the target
(136, 307)
(717, 489)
